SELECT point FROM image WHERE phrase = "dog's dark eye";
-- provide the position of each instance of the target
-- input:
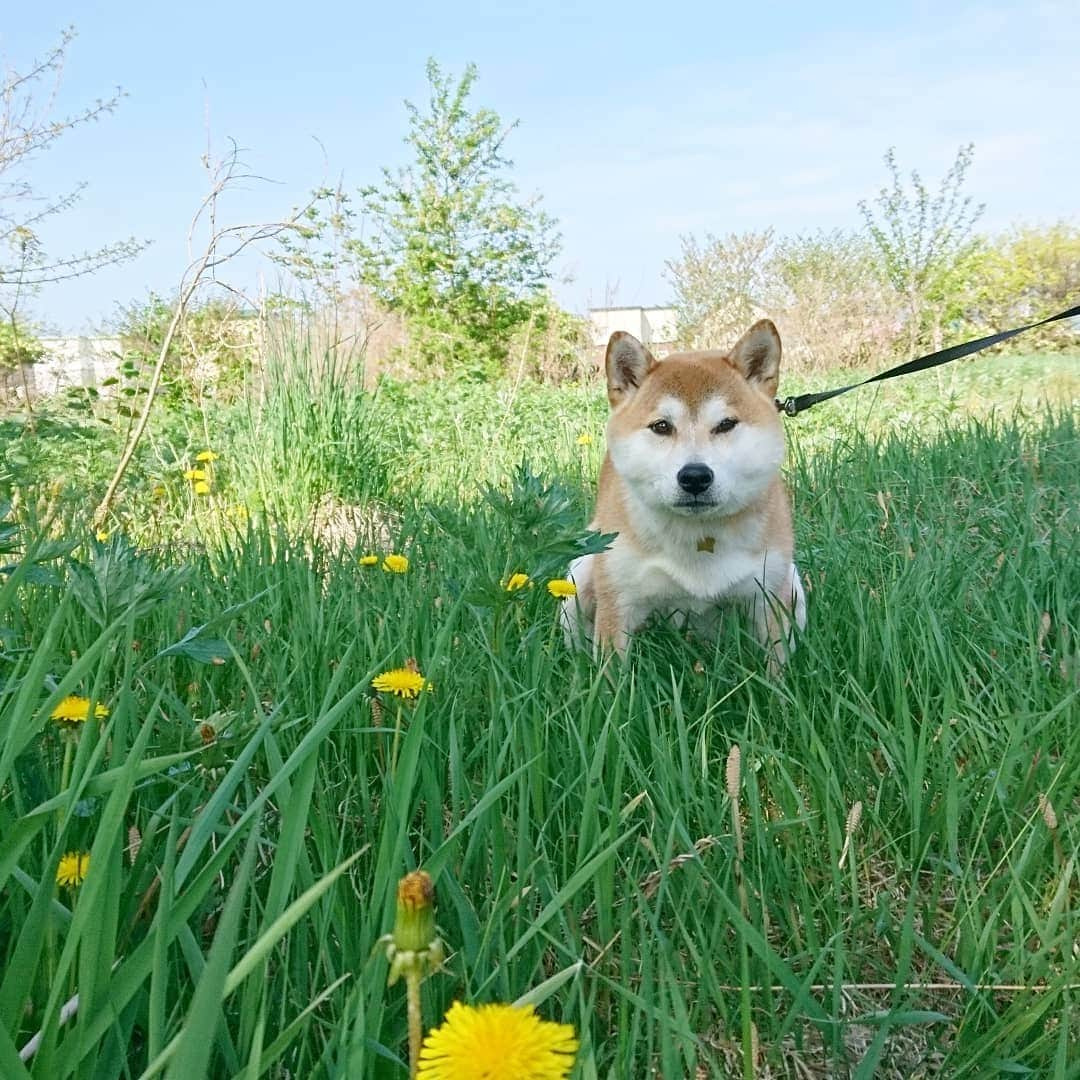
(725, 425)
(661, 427)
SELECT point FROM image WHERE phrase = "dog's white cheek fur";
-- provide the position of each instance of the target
(648, 463)
(745, 463)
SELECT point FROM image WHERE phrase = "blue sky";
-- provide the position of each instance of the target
(638, 122)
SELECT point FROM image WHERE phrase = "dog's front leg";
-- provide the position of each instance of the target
(578, 613)
(612, 625)
(775, 616)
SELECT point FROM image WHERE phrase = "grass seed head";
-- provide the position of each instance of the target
(853, 819)
(734, 773)
(1049, 815)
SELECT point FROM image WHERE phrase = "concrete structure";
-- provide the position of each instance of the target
(77, 361)
(653, 326)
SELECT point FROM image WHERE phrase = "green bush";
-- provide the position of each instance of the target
(208, 357)
(833, 305)
(916, 278)
(18, 345)
(925, 243)
(836, 306)
(1024, 275)
(553, 346)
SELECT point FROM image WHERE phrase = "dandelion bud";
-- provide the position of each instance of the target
(414, 928)
(414, 949)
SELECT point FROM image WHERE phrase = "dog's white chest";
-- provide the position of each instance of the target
(685, 577)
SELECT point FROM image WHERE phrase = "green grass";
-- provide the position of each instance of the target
(301, 435)
(577, 822)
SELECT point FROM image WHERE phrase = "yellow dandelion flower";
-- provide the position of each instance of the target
(584, 439)
(517, 581)
(396, 564)
(159, 491)
(194, 474)
(201, 487)
(402, 682)
(73, 868)
(369, 560)
(501, 1042)
(206, 455)
(102, 535)
(561, 588)
(74, 709)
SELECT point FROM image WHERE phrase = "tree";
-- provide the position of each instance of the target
(446, 241)
(27, 130)
(720, 286)
(925, 242)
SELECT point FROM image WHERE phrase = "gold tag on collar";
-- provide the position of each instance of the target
(707, 543)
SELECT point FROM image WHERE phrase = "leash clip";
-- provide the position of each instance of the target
(787, 406)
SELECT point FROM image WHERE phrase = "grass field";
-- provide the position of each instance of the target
(882, 882)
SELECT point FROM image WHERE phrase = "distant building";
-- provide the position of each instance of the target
(68, 362)
(652, 326)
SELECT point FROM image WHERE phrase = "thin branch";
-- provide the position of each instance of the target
(27, 129)
(222, 245)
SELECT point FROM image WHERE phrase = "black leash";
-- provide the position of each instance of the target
(795, 405)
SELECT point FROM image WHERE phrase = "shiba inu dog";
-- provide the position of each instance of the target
(691, 484)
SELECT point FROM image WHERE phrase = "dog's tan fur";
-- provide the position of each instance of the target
(665, 555)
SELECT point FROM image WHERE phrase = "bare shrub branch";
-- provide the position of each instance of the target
(223, 244)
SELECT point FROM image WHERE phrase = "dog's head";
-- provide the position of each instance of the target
(698, 434)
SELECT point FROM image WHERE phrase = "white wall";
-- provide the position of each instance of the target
(660, 326)
(78, 361)
(652, 326)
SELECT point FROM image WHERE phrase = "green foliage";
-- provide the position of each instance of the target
(720, 285)
(211, 356)
(574, 817)
(308, 436)
(1026, 274)
(447, 242)
(553, 346)
(18, 345)
(916, 278)
(926, 244)
(34, 567)
(540, 517)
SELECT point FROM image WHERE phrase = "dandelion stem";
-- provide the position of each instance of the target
(413, 979)
(414, 951)
(397, 742)
(65, 774)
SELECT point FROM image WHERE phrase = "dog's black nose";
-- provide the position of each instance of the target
(695, 478)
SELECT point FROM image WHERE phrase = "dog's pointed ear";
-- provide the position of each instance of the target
(757, 356)
(627, 363)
